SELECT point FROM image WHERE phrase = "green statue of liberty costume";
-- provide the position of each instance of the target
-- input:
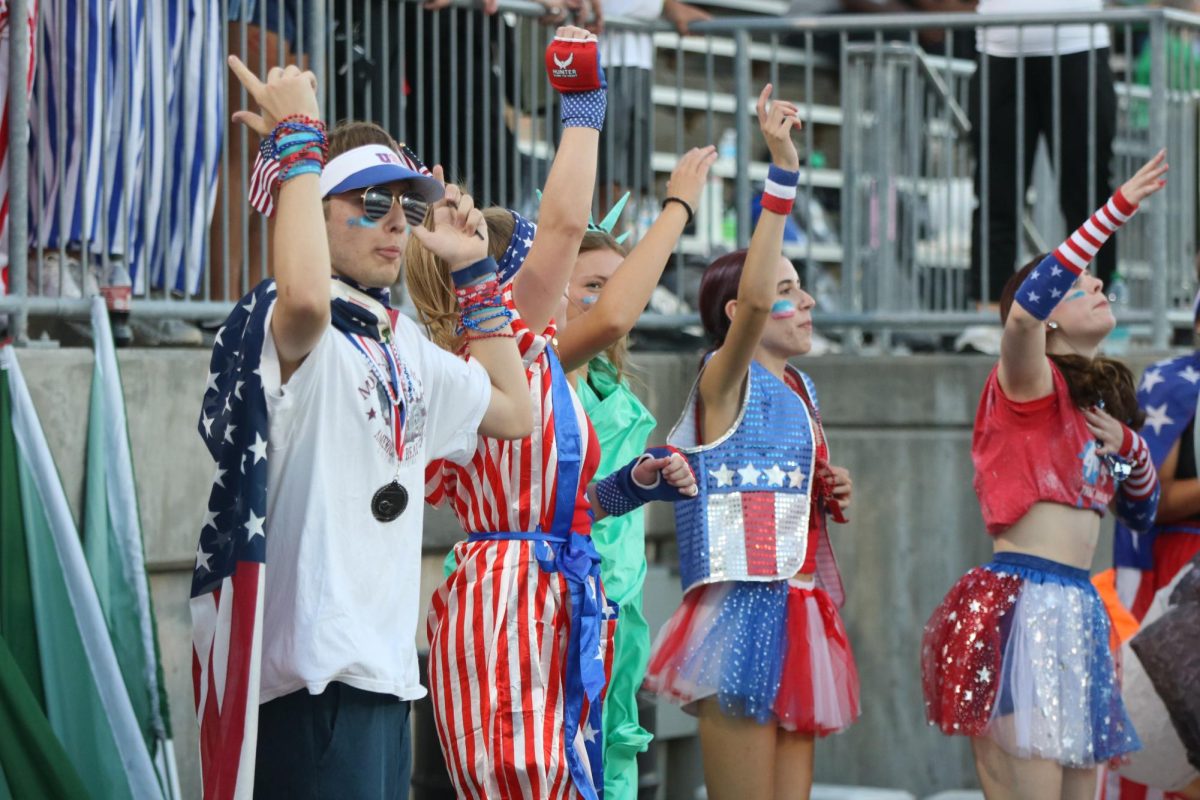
(623, 425)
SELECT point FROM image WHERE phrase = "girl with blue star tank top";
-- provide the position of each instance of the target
(757, 649)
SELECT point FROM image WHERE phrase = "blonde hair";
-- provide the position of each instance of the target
(617, 352)
(427, 279)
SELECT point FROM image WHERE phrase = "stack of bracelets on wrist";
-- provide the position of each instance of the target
(779, 193)
(299, 144)
(478, 291)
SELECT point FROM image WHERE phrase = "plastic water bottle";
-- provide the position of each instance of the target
(727, 149)
(1117, 343)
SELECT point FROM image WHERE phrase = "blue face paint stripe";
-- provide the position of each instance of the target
(782, 309)
(360, 222)
(1075, 295)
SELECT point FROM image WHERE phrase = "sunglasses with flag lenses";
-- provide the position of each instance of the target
(377, 202)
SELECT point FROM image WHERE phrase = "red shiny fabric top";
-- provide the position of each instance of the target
(816, 518)
(1035, 451)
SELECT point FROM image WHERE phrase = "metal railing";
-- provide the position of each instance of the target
(128, 166)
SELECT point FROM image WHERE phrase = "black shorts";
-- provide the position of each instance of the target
(344, 742)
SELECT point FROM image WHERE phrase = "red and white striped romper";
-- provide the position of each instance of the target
(500, 624)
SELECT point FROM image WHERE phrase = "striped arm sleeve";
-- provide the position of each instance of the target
(1048, 283)
(1137, 498)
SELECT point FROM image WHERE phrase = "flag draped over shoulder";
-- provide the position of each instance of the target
(230, 573)
(112, 543)
(52, 621)
(1167, 393)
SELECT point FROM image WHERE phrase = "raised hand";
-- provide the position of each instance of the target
(777, 121)
(287, 91)
(1147, 180)
(691, 173)
(456, 232)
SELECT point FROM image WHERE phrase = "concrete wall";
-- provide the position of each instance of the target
(902, 426)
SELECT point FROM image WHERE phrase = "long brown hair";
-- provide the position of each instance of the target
(428, 279)
(1089, 380)
(718, 286)
(618, 351)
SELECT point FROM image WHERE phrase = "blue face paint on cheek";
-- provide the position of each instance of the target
(588, 300)
(360, 222)
(783, 309)
(1075, 295)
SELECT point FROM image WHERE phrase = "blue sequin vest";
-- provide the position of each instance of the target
(750, 521)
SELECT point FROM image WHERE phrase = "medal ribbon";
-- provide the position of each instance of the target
(391, 384)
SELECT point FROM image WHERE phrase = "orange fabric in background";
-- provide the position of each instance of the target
(1124, 624)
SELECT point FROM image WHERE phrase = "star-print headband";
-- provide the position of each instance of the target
(518, 248)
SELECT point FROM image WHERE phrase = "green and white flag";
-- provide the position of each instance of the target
(82, 691)
(112, 543)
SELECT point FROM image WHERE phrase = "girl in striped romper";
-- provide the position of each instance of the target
(518, 632)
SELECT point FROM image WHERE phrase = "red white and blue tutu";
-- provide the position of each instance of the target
(772, 651)
(1018, 651)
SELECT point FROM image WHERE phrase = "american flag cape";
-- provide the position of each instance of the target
(230, 572)
(1167, 393)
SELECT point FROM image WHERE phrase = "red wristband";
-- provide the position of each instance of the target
(777, 205)
(573, 65)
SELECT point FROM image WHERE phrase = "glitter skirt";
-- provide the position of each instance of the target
(1018, 651)
(775, 652)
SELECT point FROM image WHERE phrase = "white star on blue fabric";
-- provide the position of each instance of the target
(1055, 294)
(1055, 271)
(220, 473)
(210, 519)
(1156, 417)
(207, 421)
(259, 448)
(1152, 378)
(724, 475)
(202, 559)
(254, 526)
(1033, 297)
(775, 476)
(1190, 374)
(589, 733)
(210, 385)
(795, 478)
(749, 474)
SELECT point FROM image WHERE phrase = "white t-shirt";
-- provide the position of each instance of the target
(343, 589)
(629, 48)
(1039, 40)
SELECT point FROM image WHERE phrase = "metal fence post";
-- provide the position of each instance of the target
(1158, 221)
(741, 179)
(318, 19)
(18, 158)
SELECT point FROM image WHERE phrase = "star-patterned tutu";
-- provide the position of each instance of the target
(1019, 651)
(775, 652)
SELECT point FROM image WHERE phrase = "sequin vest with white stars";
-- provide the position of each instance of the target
(750, 521)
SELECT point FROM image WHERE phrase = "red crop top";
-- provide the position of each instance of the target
(1040, 450)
